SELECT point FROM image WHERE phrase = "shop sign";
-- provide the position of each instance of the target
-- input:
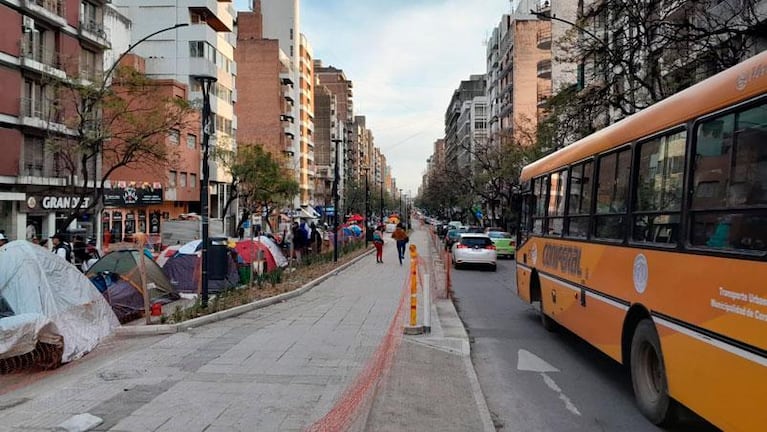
(132, 194)
(53, 202)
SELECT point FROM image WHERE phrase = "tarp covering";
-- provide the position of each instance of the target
(184, 273)
(50, 300)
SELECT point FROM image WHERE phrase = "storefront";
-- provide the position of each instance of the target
(45, 215)
(130, 209)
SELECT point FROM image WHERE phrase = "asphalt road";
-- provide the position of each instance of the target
(534, 380)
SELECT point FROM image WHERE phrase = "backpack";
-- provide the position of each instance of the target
(67, 250)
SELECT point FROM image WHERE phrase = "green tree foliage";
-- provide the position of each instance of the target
(259, 181)
(120, 122)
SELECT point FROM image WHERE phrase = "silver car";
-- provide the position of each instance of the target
(474, 248)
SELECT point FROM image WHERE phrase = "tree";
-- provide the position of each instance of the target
(108, 126)
(258, 180)
(635, 53)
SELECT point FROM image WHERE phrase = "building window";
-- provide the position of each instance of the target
(193, 180)
(172, 179)
(191, 141)
(174, 136)
(182, 179)
(34, 156)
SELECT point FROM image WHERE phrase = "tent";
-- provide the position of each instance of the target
(165, 254)
(184, 271)
(248, 250)
(47, 300)
(117, 276)
(355, 218)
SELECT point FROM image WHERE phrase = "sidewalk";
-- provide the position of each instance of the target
(277, 368)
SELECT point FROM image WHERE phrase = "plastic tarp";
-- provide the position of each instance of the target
(51, 300)
(165, 255)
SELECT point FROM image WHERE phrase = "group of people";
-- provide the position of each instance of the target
(79, 253)
(303, 238)
(399, 235)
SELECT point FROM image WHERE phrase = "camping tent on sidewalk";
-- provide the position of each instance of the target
(248, 250)
(117, 276)
(184, 271)
(47, 300)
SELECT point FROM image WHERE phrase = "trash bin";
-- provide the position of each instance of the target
(217, 258)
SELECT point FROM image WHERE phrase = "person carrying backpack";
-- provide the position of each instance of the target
(61, 247)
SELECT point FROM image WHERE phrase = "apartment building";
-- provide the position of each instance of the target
(519, 73)
(326, 124)
(266, 108)
(467, 90)
(42, 42)
(204, 47)
(282, 22)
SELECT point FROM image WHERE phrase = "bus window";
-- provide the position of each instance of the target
(539, 205)
(579, 204)
(729, 200)
(660, 176)
(556, 207)
(612, 194)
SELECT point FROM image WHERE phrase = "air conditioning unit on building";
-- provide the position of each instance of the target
(28, 23)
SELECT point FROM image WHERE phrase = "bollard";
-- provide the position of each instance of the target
(426, 305)
(413, 286)
(413, 329)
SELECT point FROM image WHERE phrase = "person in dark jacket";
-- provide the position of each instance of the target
(402, 238)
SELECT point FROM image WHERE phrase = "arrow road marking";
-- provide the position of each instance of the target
(527, 361)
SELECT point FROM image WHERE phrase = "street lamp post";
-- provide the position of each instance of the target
(400, 205)
(382, 198)
(367, 204)
(336, 174)
(206, 81)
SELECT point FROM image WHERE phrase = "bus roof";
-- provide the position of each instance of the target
(740, 82)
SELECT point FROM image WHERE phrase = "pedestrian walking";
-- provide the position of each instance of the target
(61, 247)
(402, 238)
(378, 243)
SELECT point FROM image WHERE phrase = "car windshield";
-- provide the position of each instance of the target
(475, 241)
(453, 233)
(498, 234)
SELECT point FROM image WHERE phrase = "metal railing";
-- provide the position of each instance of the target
(35, 50)
(56, 7)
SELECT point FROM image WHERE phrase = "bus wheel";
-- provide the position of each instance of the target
(648, 376)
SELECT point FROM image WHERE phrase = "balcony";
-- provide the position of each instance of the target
(95, 33)
(544, 69)
(51, 11)
(41, 114)
(544, 35)
(40, 59)
(217, 14)
(543, 6)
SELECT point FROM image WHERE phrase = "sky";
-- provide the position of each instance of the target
(405, 59)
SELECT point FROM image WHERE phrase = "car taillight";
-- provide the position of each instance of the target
(461, 246)
(490, 246)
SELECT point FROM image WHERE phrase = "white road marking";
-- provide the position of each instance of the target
(527, 361)
(553, 385)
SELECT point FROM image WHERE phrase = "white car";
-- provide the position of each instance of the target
(474, 249)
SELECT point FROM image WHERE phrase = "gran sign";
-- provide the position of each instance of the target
(58, 202)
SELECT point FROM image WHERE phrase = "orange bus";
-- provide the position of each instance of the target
(648, 239)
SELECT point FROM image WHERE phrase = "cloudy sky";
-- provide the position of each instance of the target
(405, 58)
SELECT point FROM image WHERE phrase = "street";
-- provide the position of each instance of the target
(536, 380)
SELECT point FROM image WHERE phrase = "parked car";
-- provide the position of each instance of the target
(451, 237)
(474, 248)
(489, 229)
(505, 245)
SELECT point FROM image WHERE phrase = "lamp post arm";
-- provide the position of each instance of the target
(131, 47)
(547, 17)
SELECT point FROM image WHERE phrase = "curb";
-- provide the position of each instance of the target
(452, 322)
(162, 329)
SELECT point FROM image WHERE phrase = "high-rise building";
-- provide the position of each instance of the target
(282, 22)
(466, 92)
(266, 108)
(42, 43)
(204, 47)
